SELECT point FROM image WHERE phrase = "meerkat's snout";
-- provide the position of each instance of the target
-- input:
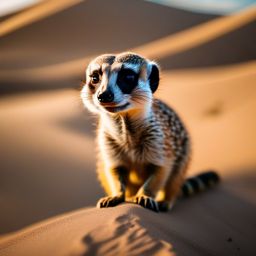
(105, 97)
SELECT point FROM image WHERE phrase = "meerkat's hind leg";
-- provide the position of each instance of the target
(166, 197)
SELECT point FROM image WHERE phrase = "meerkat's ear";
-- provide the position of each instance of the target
(154, 77)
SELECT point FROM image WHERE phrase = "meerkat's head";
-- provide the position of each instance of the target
(120, 83)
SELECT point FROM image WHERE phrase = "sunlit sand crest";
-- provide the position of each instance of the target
(163, 47)
(34, 14)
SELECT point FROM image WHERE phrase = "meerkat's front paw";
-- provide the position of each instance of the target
(146, 202)
(110, 201)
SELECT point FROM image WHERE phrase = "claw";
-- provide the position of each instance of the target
(146, 202)
(109, 201)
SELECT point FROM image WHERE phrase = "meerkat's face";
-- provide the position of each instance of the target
(120, 83)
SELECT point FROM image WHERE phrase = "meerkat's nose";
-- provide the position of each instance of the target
(106, 97)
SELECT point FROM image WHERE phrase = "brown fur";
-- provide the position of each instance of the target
(143, 150)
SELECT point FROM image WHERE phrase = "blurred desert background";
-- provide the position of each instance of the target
(207, 52)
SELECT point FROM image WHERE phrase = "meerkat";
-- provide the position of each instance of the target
(143, 146)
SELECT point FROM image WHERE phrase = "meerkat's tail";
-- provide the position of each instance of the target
(199, 183)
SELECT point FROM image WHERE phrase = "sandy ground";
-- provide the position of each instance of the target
(47, 152)
(131, 230)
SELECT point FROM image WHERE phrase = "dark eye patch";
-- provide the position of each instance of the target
(127, 80)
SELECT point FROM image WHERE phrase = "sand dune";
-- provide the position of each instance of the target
(197, 35)
(116, 231)
(34, 14)
(47, 151)
(131, 230)
(71, 34)
(159, 49)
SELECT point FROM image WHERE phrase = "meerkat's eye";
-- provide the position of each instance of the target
(95, 78)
